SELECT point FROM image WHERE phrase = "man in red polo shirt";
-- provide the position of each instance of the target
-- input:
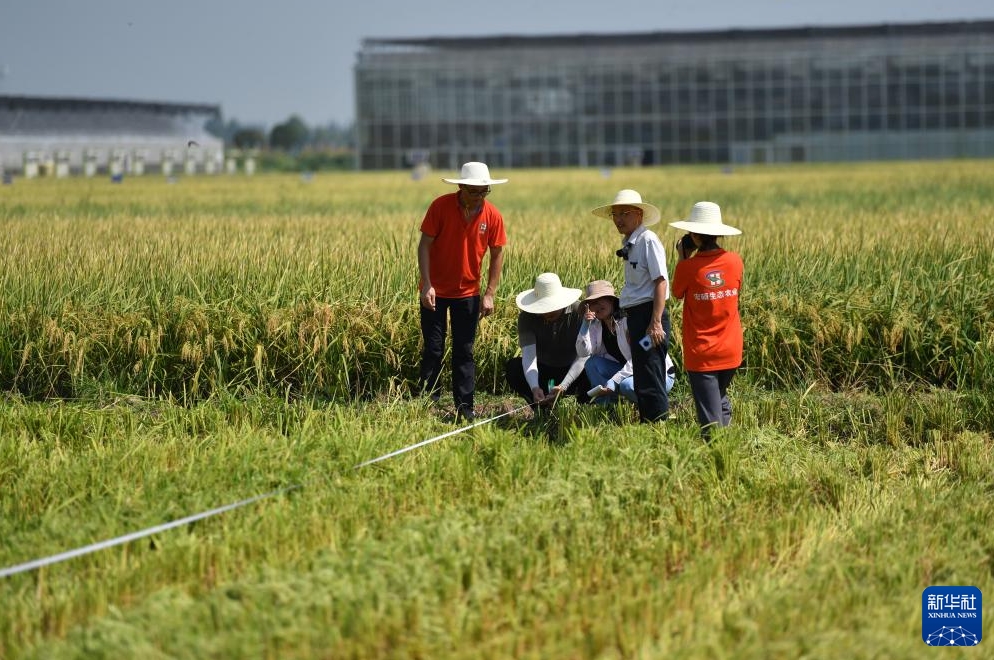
(456, 232)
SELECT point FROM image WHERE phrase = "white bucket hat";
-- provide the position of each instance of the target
(705, 218)
(548, 295)
(650, 214)
(475, 174)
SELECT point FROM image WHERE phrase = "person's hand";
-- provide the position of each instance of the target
(538, 395)
(487, 305)
(553, 395)
(588, 314)
(684, 246)
(656, 332)
(428, 297)
(600, 391)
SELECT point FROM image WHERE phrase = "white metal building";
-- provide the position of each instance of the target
(61, 136)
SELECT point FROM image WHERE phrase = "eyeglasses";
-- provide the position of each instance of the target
(478, 192)
(623, 252)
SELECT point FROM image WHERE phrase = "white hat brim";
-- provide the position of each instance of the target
(650, 214)
(528, 302)
(476, 182)
(706, 228)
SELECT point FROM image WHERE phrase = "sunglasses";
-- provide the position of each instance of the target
(477, 191)
(623, 252)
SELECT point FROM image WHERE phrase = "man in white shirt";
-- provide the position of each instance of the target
(643, 299)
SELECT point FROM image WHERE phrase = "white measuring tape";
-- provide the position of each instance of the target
(437, 438)
(133, 536)
(110, 543)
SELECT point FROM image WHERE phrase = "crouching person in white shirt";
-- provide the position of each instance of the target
(603, 340)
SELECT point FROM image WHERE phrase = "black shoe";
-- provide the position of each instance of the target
(465, 413)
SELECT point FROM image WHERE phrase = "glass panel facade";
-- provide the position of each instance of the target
(913, 91)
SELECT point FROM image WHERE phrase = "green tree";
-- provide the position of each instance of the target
(249, 138)
(291, 135)
(333, 135)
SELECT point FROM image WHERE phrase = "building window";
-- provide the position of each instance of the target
(912, 94)
(677, 105)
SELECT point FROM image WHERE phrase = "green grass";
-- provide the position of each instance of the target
(802, 530)
(166, 349)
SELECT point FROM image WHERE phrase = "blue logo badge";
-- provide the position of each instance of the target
(952, 616)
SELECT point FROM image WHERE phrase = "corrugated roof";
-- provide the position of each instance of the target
(75, 103)
(697, 36)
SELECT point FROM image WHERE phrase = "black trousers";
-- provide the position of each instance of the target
(649, 367)
(515, 375)
(710, 390)
(464, 315)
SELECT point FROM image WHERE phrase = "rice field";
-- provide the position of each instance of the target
(169, 348)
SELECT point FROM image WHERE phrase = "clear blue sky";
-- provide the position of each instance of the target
(263, 60)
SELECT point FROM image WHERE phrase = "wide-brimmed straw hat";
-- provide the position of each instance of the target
(650, 214)
(475, 174)
(705, 218)
(548, 295)
(600, 289)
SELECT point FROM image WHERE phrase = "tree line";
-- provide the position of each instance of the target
(292, 144)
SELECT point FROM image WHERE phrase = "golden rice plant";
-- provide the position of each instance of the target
(856, 275)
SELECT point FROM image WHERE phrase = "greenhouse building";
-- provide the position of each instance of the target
(873, 92)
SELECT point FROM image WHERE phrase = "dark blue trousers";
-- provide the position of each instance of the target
(649, 367)
(464, 316)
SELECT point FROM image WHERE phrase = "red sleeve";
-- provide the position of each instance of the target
(432, 223)
(678, 287)
(497, 236)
